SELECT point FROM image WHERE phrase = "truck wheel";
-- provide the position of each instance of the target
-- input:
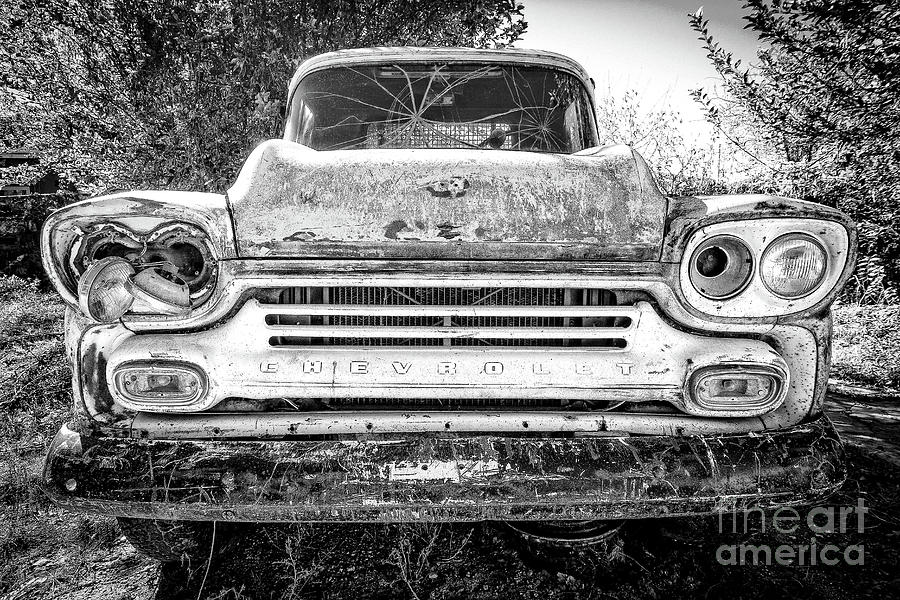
(567, 534)
(168, 541)
(580, 548)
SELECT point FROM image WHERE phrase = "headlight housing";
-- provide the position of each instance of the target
(165, 271)
(721, 266)
(790, 264)
(183, 245)
(793, 265)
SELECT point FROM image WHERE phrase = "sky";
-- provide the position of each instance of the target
(645, 45)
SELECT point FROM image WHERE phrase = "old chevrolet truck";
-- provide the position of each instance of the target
(438, 297)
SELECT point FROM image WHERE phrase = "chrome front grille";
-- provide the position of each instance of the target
(448, 316)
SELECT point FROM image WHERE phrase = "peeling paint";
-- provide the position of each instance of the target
(385, 199)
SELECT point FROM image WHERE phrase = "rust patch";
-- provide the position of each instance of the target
(449, 231)
(376, 203)
(395, 227)
(448, 188)
(382, 478)
(300, 236)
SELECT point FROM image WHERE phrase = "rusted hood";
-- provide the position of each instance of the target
(291, 201)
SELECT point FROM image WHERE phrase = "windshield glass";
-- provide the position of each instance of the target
(492, 107)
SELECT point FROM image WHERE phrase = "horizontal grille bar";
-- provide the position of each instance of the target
(447, 403)
(451, 311)
(481, 342)
(443, 296)
(497, 333)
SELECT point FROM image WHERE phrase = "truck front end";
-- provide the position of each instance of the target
(437, 299)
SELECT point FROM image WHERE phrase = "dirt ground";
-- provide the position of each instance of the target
(671, 558)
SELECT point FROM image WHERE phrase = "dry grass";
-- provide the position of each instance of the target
(35, 398)
(867, 345)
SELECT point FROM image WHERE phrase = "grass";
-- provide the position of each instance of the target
(867, 345)
(51, 549)
(34, 399)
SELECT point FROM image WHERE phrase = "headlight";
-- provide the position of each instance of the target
(161, 290)
(720, 267)
(101, 290)
(793, 266)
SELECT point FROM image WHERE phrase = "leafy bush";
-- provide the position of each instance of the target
(820, 114)
(163, 93)
(681, 166)
(866, 345)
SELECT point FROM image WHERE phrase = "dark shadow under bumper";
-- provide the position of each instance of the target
(445, 479)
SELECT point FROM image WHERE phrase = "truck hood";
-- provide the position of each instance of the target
(292, 201)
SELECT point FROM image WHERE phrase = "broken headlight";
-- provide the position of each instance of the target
(721, 267)
(173, 267)
(101, 289)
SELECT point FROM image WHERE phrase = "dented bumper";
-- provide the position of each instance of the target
(456, 478)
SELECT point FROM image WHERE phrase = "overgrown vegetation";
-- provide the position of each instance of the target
(35, 382)
(818, 114)
(43, 549)
(682, 166)
(35, 399)
(162, 93)
(867, 344)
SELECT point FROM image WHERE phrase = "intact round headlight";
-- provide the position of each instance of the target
(101, 289)
(720, 267)
(793, 266)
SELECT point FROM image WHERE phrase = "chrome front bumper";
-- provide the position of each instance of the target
(458, 478)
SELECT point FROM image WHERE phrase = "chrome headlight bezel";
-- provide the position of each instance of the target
(738, 259)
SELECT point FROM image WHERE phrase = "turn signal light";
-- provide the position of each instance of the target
(146, 387)
(737, 389)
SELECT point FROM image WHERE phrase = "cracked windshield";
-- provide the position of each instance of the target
(442, 106)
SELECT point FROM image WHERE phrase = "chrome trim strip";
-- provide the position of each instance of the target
(424, 310)
(267, 425)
